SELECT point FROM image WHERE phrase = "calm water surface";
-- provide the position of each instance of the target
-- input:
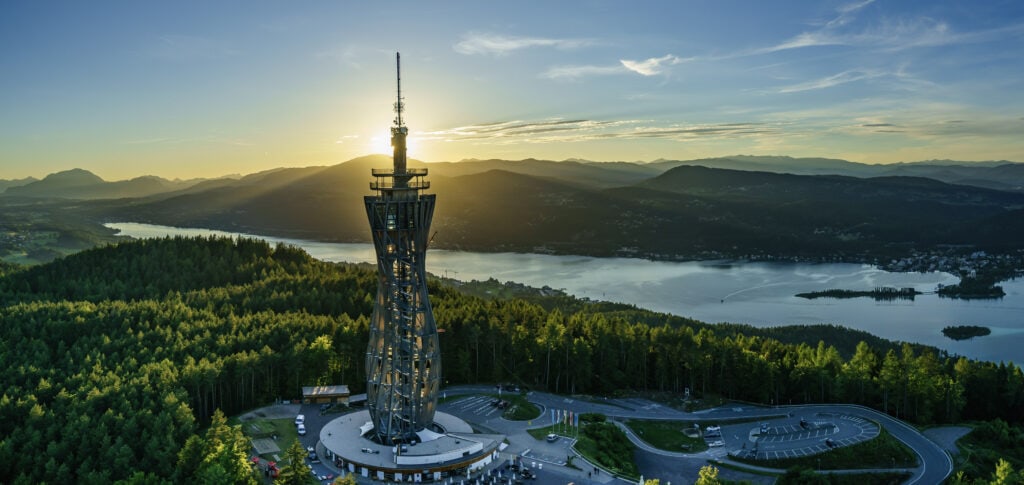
(759, 294)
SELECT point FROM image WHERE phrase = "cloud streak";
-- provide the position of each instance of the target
(888, 34)
(649, 67)
(578, 130)
(831, 81)
(576, 72)
(652, 66)
(482, 43)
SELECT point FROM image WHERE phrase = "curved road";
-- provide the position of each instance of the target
(935, 464)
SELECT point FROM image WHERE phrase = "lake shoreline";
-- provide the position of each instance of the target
(756, 293)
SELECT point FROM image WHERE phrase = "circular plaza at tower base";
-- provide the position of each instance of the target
(454, 453)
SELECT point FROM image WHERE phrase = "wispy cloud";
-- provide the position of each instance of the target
(846, 13)
(831, 81)
(495, 44)
(576, 72)
(892, 35)
(648, 67)
(652, 66)
(888, 33)
(568, 131)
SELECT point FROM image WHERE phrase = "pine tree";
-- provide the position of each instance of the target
(296, 471)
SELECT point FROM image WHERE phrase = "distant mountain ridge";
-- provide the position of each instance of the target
(685, 212)
(82, 184)
(78, 183)
(4, 184)
(1000, 175)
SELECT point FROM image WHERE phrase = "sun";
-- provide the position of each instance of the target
(382, 145)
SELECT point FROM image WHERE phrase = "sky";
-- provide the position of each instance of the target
(188, 89)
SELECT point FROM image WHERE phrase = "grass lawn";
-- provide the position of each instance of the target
(520, 409)
(606, 445)
(667, 435)
(284, 428)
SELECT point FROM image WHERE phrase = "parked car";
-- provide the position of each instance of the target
(300, 419)
(552, 438)
(302, 430)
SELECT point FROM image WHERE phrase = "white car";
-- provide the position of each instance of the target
(302, 430)
(716, 443)
(300, 419)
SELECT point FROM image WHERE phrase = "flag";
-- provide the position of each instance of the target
(577, 423)
(552, 417)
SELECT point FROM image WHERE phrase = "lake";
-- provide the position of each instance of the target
(756, 293)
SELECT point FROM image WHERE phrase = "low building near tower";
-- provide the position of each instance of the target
(337, 394)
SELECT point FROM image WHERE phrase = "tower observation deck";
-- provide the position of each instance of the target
(403, 360)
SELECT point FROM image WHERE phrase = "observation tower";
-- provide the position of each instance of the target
(403, 360)
(401, 436)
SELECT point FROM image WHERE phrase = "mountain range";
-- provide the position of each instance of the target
(664, 210)
(1000, 175)
(83, 184)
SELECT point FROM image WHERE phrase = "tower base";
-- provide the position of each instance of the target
(452, 451)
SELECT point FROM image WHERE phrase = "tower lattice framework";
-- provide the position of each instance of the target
(403, 359)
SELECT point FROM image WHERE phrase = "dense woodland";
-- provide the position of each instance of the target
(116, 356)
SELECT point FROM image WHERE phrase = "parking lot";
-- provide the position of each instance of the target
(482, 406)
(795, 437)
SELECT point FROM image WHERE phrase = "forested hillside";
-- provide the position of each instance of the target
(115, 356)
(686, 212)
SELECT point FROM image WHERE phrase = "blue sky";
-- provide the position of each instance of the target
(200, 89)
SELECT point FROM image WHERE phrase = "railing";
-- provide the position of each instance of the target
(385, 184)
(385, 172)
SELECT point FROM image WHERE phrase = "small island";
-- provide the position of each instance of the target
(977, 288)
(965, 332)
(880, 293)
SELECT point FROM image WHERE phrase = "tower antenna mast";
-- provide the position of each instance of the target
(399, 105)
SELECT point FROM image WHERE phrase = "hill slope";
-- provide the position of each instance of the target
(83, 184)
(686, 212)
(115, 356)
